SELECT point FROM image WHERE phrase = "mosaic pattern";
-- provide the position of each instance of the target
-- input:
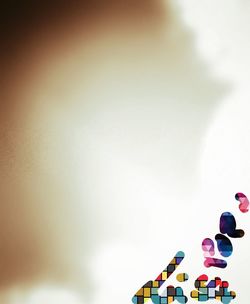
(214, 290)
(244, 202)
(228, 226)
(150, 289)
(213, 262)
(209, 252)
(171, 294)
(182, 277)
(224, 245)
(208, 247)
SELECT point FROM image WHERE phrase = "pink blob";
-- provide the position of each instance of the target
(208, 247)
(244, 202)
(212, 262)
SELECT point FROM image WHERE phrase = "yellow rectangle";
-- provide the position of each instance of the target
(146, 292)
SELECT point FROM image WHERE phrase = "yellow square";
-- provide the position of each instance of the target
(203, 284)
(147, 292)
(155, 283)
(164, 276)
(195, 294)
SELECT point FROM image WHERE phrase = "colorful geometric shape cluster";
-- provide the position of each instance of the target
(149, 291)
(205, 292)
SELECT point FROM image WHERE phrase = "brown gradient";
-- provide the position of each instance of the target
(28, 27)
(21, 19)
(44, 230)
(40, 233)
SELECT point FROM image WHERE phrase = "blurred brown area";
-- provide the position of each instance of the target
(40, 235)
(26, 25)
(43, 236)
(19, 19)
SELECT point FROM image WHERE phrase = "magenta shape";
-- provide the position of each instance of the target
(244, 202)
